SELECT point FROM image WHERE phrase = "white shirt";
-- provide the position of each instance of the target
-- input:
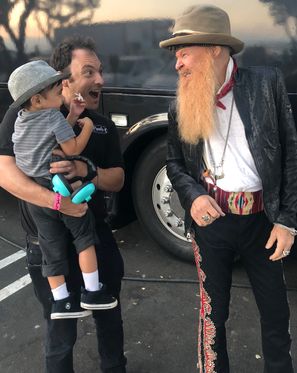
(240, 173)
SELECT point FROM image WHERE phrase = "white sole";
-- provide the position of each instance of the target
(72, 315)
(99, 306)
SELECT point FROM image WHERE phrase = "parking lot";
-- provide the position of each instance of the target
(160, 309)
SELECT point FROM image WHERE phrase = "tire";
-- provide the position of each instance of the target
(156, 203)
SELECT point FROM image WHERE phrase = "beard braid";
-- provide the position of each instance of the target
(196, 101)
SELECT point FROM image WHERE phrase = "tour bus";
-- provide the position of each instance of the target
(140, 82)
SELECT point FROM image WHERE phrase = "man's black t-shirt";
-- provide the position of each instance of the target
(103, 149)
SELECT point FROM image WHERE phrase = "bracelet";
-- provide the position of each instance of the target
(292, 231)
(57, 201)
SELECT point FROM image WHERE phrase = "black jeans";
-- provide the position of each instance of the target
(61, 334)
(218, 244)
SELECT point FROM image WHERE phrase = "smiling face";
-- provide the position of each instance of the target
(186, 58)
(86, 78)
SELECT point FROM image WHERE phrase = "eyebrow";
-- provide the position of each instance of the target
(92, 67)
(88, 67)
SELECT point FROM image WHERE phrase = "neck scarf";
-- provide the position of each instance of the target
(227, 87)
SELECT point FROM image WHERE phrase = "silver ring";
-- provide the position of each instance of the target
(206, 218)
(286, 252)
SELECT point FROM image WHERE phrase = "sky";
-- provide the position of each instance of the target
(248, 22)
(251, 19)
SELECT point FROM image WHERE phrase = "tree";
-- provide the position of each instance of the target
(49, 14)
(283, 11)
(65, 13)
(17, 36)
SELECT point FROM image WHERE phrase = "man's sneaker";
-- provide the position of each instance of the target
(68, 308)
(97, 300)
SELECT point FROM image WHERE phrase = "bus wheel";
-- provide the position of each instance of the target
(156, 203)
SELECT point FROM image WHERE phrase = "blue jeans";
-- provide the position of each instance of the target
(61, 334)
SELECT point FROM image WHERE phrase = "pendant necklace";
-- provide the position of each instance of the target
(218, 171)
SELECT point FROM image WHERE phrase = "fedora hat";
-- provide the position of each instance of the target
(203, 25)
(30, 79)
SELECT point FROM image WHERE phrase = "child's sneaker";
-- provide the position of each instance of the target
(97, 300)
(68, 308)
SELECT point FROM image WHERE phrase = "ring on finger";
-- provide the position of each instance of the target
(206, 218)
(286, 252)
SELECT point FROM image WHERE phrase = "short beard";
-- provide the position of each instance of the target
(196, 101)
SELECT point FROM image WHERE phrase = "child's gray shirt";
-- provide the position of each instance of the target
(35, 136)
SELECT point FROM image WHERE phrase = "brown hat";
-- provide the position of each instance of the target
(203, 25)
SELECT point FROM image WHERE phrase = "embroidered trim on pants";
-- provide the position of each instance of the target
(206, 328)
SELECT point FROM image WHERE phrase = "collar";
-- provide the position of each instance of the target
(229, 70)
(228, 84)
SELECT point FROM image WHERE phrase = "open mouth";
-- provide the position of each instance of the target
(184, 74)
(94, 94)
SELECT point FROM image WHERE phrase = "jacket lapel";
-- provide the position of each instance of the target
(244, 100)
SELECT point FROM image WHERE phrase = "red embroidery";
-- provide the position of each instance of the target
(227, 87)
(206, 328)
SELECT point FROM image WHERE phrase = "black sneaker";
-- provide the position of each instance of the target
(68, 308)
(97, 300)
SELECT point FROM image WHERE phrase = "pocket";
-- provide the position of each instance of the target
(34, 256)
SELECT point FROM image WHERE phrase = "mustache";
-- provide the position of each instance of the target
(184, 73)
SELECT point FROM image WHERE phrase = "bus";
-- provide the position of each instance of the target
(140, 82)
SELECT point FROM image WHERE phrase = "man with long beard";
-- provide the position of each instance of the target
(232, 158)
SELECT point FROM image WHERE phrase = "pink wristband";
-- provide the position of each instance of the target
(57, 201)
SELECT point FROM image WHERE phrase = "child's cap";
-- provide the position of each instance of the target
(31, 78)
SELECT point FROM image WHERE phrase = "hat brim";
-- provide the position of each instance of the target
(235, 44)
(38, 88)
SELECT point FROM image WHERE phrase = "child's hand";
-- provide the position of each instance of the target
(77, 106)
(86, 123)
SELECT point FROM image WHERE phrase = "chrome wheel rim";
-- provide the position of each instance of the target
(167, 205)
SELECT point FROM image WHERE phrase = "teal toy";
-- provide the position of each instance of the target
(62, 186)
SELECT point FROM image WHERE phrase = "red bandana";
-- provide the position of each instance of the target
(227, 88)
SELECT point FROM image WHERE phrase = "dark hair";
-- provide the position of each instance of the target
(27, 104)
(62, 54)
(51, 86)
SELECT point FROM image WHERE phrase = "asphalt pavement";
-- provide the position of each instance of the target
(160, 306)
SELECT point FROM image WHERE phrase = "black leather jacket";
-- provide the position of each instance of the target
(266, 113)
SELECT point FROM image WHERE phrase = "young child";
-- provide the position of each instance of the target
(40, 127)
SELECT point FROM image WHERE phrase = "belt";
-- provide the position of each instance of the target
(239, 203)
(32, 239)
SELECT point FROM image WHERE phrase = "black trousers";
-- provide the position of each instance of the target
(218, 244)
(61, 334)
(53, 228)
